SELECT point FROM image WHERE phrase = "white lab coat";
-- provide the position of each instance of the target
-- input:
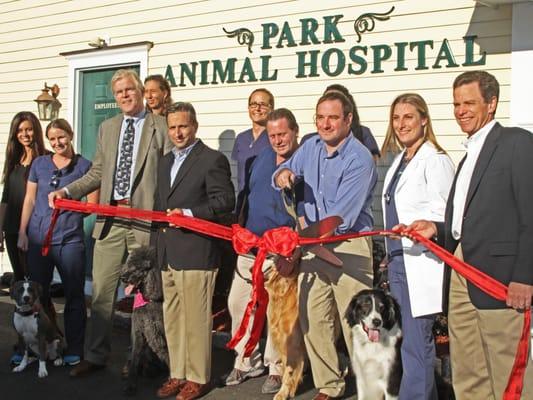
(421, 193)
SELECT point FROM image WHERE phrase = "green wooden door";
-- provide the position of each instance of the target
(96, 103)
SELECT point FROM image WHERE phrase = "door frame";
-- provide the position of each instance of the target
(94, 59)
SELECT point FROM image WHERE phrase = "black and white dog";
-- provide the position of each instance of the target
(142, 277)
(35, 330)
(374, 317)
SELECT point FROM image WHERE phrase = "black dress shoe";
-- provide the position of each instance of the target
(85, 368)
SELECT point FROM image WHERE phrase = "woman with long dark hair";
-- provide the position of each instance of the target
(24, 144)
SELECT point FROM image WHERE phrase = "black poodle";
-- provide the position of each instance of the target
(142, 277)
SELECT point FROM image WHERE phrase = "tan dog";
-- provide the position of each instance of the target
(285, 329)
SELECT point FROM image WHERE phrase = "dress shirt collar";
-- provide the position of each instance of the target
(183, 152)
(135, 117)
(341, 150)
(478, 138)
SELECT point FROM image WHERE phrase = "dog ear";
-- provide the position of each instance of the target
(153, 286)
(394, 311)
(351, 313)
(12, 289)
(38, 289)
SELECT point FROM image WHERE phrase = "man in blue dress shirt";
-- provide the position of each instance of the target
(262, 209)
(339, 176)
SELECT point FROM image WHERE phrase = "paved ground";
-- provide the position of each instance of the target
(107, 384)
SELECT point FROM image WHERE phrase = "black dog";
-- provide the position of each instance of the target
(36, 332)
(375, 319)
(142, 277)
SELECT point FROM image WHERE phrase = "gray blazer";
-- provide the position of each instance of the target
(154, 144)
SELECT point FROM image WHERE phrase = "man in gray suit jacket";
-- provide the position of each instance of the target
(129, 148)
(489, 224)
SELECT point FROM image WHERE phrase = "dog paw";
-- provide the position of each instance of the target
(58, 362)
(283, 394)
(19, 368)
(43, 373)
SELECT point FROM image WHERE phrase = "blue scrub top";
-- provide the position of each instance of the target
(69, 226)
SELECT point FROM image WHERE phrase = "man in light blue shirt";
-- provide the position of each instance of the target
(339, 176)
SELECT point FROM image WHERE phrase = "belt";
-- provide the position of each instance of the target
(395, 253)
(122, 202)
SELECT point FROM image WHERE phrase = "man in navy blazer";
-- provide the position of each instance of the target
(193, 180)
(488, 223)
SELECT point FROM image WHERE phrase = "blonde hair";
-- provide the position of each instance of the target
(391, 142)
(127, 73)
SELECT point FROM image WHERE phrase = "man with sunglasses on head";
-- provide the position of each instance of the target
(339, 175)
(129, 148)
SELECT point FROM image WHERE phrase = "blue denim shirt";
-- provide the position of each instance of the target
(265, 206)
(69, 226)
(340, 184)
(245, 149)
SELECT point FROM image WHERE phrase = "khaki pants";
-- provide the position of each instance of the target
(239, 295)
(109, 255)
(324, 294)
(188, 322)
(483, 345)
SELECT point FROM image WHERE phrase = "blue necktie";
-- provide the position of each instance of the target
(122, 177)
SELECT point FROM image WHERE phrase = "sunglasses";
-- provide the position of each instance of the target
(54, 180)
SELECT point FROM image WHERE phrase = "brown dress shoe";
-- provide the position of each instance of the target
(323, 396)
(85, 368)
(170, 387)
(193, 390)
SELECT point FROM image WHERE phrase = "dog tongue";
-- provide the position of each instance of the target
(373, 335)
(128, 289)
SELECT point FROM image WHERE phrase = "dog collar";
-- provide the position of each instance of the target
(139, 300)
(34, 310)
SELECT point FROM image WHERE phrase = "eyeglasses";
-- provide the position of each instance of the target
(257, 105)
(54, 180)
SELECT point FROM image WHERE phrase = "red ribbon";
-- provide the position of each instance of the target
(283, 241)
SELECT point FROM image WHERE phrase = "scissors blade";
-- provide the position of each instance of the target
(325, 254)
(322, 228)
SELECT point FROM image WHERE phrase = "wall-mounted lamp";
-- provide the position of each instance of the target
(48, 105)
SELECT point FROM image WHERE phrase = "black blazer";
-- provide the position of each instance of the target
(204, 186)
(497, 233)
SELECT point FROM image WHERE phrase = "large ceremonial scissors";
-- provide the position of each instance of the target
(320, 229)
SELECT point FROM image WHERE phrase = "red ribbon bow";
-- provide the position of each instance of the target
(280, 241)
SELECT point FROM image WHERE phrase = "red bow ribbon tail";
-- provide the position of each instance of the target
(513, 391)
(260, 300)
(243, 241)
(48, 238)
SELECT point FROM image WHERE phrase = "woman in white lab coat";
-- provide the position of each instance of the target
(416, 187)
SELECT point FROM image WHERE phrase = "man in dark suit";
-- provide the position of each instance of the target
(193, 180)
(489, 224)
(124, 168)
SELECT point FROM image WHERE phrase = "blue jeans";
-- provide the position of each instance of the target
(418, 347)
(69, 259)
